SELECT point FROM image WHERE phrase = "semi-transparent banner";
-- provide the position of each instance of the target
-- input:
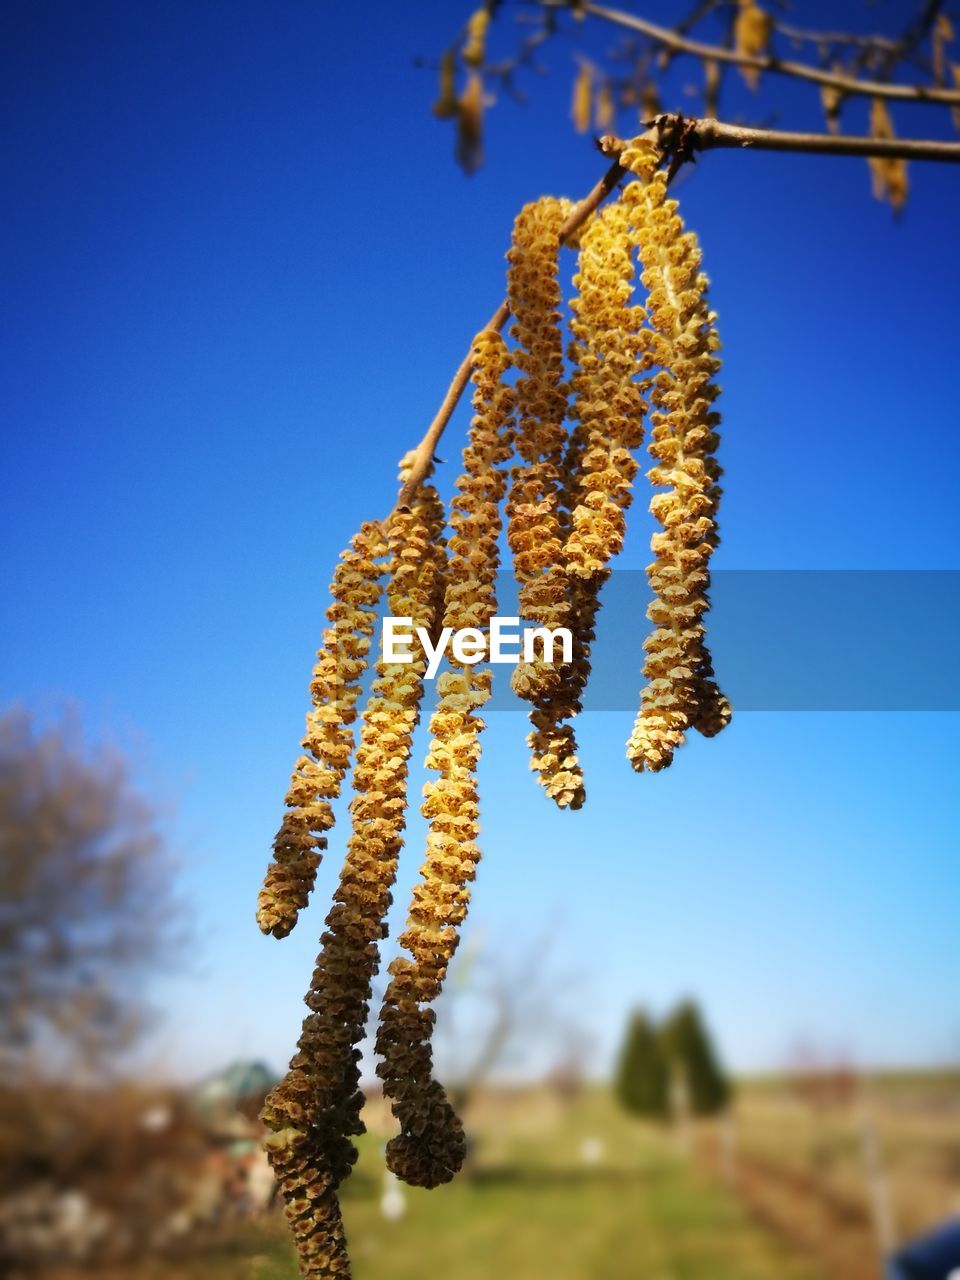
(787, 640)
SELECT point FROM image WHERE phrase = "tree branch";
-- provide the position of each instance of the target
(706, 135)
(847, 85)
(679, 138)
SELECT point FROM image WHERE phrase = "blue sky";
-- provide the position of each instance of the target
(239, 268)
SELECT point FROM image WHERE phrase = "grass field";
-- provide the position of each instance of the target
(572, 1194)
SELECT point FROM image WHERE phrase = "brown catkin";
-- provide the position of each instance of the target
(298, 848)
(713, 711)
(315, 1109)
(430, 1147)
(679, 690)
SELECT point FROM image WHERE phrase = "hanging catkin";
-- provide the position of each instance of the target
(315, 1109)
(608, 409)
(608, 352)
(552, 743)
(334, 690)
(534, 530)
(568, 495)
(430, 1147)
(684, 342)
(536, 527)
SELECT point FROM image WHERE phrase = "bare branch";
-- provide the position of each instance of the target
(798, 70)
(805, 36)
(915, 34)
(710, 134)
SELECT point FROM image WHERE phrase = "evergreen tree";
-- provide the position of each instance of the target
(689, 1051)
(642, 1081)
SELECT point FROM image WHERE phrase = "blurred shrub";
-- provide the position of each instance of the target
(689, 1050)
(642, 1082)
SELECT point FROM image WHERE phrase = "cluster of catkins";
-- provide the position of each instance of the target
(553, 442)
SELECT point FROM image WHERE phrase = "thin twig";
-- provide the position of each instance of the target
(799, 70)
(427, 446)
(677, 137)
(915, 34)
(805, 36)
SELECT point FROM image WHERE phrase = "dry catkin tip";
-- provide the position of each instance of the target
(679, 692)
(430, 1147)
(316, 1107)
(334, 690)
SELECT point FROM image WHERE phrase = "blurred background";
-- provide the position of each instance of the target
(706, 1027)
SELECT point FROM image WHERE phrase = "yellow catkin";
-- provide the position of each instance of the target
(752, 29)
(534, 528)
(334, 689)
(607, 411)
(889, 176)
(314, 1111)
(430, 1146)
(566, 505)
(475, 46)
(679, 692)
(470, 106)
(537, 522)
(552, 743)
(445, 107)
(582, 99)
(608, 352)
(605, 110)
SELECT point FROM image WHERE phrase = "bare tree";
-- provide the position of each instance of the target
(85, 906)
(510, 1001)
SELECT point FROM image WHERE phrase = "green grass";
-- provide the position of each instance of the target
(533, 1210)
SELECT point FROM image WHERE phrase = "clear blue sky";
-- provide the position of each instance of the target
(239, 267)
